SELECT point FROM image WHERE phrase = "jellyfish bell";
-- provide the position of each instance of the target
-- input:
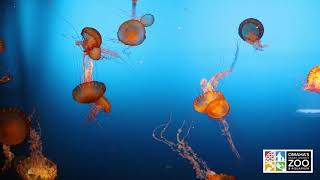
(313, 80)
(95, 53)
(91, 38)
(251, 30)
(147, 20)
(218, 109)
(88, 92)
(214, 176)
(202, 101)
(92, 92)
(132, 32)
(14, 126)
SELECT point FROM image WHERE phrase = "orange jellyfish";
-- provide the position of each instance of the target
(91, 45)
(14, 127)
(185, 151)
(214, 104)
(2, 46)
(132, 32)
(251, 30)
(36, 166)
(92, 92)
(313, 80)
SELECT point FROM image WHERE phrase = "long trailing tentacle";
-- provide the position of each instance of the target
(183, 149)
(226, 132)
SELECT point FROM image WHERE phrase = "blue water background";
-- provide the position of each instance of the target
(189, 40)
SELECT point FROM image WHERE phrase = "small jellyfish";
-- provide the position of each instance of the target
(147, 20)
(251, 30)
(14, 127)
(132, 32)
(5, 79)
(313, 80)
(92, 92)
(212, 102)
(2, 46)
(36, 166)
(91, 44)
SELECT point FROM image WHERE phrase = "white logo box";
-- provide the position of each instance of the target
(285, 150)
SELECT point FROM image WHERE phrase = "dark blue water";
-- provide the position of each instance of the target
(190, 40)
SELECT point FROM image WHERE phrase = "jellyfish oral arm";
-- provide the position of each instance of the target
(134, 7)
(87, 72)
(225, 131)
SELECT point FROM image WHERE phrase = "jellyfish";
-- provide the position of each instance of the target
(147, 20)
(91, 45)
(213, 103)
(251, 30)
(14, 127)
(185, 151)
(92, 92)
(132, 32)
(2, 46)
(313, 80)
(5, 79)
(36, 166)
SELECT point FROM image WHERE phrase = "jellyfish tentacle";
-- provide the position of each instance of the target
(9, 157)
(226, 132)
(184, 150)
(235, 58)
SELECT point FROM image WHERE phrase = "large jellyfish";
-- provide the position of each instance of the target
(313, 80)
(36, 166)
(132, 32)
(92, 92)
(185, 151)
(2, 46)
(214, 104)
(251, 30)
(14, 127)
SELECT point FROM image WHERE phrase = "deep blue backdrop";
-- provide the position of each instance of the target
(190, 40)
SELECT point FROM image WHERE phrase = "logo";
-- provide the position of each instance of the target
(287, 161)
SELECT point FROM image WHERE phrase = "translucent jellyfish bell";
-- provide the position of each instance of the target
(147, 20)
